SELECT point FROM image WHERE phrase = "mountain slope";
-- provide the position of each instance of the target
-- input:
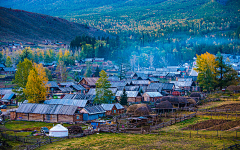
(19, 25)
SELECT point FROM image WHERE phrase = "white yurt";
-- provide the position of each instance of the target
(58, 131)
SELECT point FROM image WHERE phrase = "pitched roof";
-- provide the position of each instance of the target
(182, 83)
(154, 94)
(155, 86)
(67, 83)
(118, 84)
(68, 96)
(92, 91)
(74, 102)
(78, 87)
(110, 106)
(91, 81)
(8, 96)
(138, 82)
(98, 109)
(129, 93)
(4, 91)
(168, 86)
(9, 69)
(193, 73)
(66, 89)
(153, 79)
(185, 79)
(53, 84)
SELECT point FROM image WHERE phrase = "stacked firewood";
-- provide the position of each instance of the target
(74, 129)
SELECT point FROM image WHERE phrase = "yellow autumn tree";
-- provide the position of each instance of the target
(206, 67)
(36, 88)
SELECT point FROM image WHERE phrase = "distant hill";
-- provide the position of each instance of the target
(19, 25)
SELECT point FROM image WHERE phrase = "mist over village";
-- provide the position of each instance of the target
(119, 74)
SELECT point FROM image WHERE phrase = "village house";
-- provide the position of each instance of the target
(140, 82)
(184, 85)
(168, 88)
(46, 113)
(151, 96)
(8, 99)
(113, 109)
(93, 112)
(133, 96)
(88, 83)
(155, 87)
(78, 88)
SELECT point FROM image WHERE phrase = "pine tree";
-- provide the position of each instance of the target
(103, 94)
(124, 98)
(8, 62)
(36, 89)
(96, 73)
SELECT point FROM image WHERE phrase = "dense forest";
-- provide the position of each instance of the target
(151, 33)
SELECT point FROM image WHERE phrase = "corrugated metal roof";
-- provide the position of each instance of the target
(74, 102)
(132, 88)
(78, 87)
(154, 94)
(9, 69)
(155, 86)
(4, 91)
(168, 86)
(53, 84)
(8, 96)
(91, 81)
(80, 96)
(185, 79)
(95, 109)
(182, 83)
(114, 90)
(118, 84)
(107, 106)
(119, 106)
(68, 96)
(47, 109)
(129, 93)
(92, 91)
(138, 82)
(66, 89)
(67, 83)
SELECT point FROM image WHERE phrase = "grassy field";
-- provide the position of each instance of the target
(132, 141)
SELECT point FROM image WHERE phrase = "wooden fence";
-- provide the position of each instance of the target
(31, 143)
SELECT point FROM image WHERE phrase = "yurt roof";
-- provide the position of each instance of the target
(58, 127)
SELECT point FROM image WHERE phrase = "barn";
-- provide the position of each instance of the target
(47, 113)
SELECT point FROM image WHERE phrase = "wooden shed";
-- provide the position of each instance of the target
(93, 112)
(133, 96)
(113, 109)
(151, 96)
(47, 113)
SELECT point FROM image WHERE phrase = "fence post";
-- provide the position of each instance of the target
(236, 133)
(190, 134)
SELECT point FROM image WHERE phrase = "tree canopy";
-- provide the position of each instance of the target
(103, 93)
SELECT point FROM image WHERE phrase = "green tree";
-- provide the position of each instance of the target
(26, 53)
(49, 74)
(61, 72)
(97, 71)
(103, 94)
(21, 78)
(36, 89)
(88, 72)
(8, 62)
(206, 68)
(124, 98)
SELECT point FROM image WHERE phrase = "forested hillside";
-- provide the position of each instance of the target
(19, 25)
(153, 32)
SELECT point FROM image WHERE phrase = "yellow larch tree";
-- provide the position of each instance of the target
(36, 88)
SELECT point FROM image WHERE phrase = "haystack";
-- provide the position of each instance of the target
(182, 100)
(75, 129)
(141, 111)
(164, 105)
(131, 109)
(195, 94)
(191, 101)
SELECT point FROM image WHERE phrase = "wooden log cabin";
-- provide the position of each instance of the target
(113, 109)
(47, 113)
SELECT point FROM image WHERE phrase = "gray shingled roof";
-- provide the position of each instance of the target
(168, 86)
(110, 106)
(74, 102)
(155, 86)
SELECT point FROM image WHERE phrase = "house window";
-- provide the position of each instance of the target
(77, 117)
(114, 111)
